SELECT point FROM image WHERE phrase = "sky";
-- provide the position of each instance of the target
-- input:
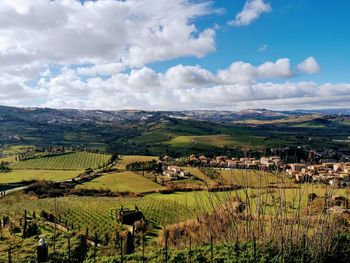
(175, 54)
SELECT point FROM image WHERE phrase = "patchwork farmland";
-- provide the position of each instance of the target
(68, 161)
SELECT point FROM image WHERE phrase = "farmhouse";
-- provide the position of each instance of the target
(175, 172)
(203, 159)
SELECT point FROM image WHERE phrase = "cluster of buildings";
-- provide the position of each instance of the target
(246, 162)
(335, 174)
(174, 172)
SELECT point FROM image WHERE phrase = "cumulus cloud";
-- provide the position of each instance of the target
(96, 55)
(92, 40)
(182, 87)
(101, 69)
(135, 32)
(309, 66)
(252, 10)
(241, 72)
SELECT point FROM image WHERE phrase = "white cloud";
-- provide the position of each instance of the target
(135, 32)
(95, 56)
(241, 72)
(181, 87)
(309, 66)
(101, 69)
(252, 10)
(94, 40)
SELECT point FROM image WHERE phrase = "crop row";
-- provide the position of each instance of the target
(71, 161)
(98, 214)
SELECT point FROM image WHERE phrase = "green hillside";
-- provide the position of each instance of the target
(69, 161)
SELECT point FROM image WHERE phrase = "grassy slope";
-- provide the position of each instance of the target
(72, 161)
(196, 172)
(95, 212)
(16, 149)
(219, 140)
(9, 159)
(250, 177)
(15, 176)
(122, 182)
(126, 159)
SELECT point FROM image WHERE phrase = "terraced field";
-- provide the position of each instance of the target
(69, 161)
(122, 182)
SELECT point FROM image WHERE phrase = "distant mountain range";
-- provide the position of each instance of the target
(47, 115)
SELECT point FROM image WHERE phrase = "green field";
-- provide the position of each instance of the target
(211, 140)
(9, 152)
(8, 159)
(16, 176)
(196, 172)
(16, 149)
(122, 182)
(126, 159)
(251, 177)
(98, 213)
(69, 161)
(219, 140)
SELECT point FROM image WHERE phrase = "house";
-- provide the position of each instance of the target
(276, 160)
(213, 163)
(204, 160)
(338, 167)
(221, 159)
(266, 161)
(346, 169)
(297, 166)
(174, 172)
(231, 163)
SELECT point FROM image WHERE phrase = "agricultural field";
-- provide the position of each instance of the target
(17, 176)
(211, 140)
(126, 159)
(122, 182)
(252, 178)
(98, 213)
(220, 140)
(196, 172)
(8, 159)
(14, 149)
(8, 154)
(69, 161)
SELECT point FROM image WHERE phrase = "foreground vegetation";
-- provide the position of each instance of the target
(265, 216)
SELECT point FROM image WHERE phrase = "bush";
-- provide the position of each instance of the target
(32, 230)
(80, 249)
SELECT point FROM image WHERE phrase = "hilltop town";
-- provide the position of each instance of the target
(336, 174)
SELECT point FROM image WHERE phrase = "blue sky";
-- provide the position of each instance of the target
(175, 55)
(294, 28)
